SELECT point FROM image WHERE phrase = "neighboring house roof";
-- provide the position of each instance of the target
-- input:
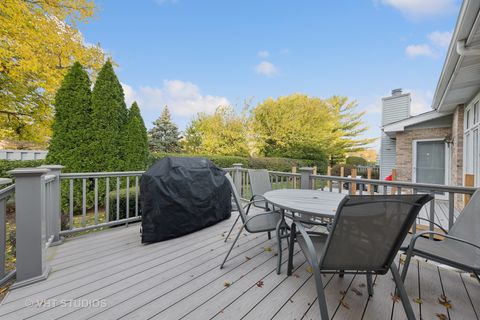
(400, 126)
(460, 80)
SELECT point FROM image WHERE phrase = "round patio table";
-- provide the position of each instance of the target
(315, 203)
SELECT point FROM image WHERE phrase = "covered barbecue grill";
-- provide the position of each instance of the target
(179, 195)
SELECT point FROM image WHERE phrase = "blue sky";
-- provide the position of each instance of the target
(194, 55)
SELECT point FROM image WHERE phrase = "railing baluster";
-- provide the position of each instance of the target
(107, 199)
(84, 202)
(399, 190)
(3, 235)
(118, 198)
(330, 185)
(71, 204)
(96, 201)
(385, 189)
(136, 196)
(127, 214)
(432, 214)
(451, 209)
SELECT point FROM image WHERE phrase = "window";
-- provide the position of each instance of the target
(471, 153)
(476, 111)
(467, 120)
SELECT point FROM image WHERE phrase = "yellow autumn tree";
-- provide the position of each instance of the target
(39, 41)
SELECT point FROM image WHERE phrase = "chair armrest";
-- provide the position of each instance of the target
(433, 222)
(414, 239)
(249, 204)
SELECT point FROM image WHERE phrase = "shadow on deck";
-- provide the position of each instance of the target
(111, 275)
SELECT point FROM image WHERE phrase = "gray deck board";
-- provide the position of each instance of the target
(181, 279)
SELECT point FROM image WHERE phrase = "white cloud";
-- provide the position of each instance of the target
(263, 54)
(182, 98)
(422, 8)
(266, 68)
(421, 101)
(440, 39)
(415, 50)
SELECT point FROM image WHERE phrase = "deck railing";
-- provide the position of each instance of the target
(85, 201)
(7, 189)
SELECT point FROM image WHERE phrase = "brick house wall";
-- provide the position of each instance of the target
(457, 147)
(404, 148)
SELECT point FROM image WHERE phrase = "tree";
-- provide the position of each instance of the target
(71, 139)
(164, 136)
(109, 119)
(298, 126)
(40, 42)
(223, 133)
(136, 141)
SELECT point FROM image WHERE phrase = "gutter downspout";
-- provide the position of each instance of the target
(463, 50)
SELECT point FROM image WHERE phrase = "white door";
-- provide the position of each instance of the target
(431, 162)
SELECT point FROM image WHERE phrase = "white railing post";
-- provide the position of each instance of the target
(55, 206)
(237, 178)
(30, 220)
(3, 228)
(305, 172)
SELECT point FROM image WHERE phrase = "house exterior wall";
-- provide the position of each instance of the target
(404, 148)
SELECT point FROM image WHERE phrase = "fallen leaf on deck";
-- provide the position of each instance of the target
(441, 316)
(362, 285)
(275, 254)
(418, 300)
(343, 292)
(344, 304)
(296, 275)
(309, 269)
(443, 300)
(267, 249)
(260, 284)
(248, 258)
(402, 260)
(357, 292)
(227, 284)
(395, 298)
(290, 300)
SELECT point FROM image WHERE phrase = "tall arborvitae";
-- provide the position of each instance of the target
(71, 139)
(164, 136)
(136, 142)
(109, 118)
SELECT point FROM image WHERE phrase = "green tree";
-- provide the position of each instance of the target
(71, 139)
(223, 133)
(299, 126)
(136, 141)
(164, 136)
(39, 43)
(109, 118)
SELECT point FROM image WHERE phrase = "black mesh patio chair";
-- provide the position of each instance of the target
(259, 184)
(461, 245)
(261, 222)
(366, 234)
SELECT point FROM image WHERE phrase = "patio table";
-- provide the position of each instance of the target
(313, 203)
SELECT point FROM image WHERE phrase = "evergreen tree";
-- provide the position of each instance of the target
(109, 118)
(136, 141)
(71, 139)
(164, 136)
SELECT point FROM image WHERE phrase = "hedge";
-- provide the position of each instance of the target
(274, 164)
(7, 165)
(112, 209)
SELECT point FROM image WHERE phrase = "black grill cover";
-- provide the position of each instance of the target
(179, 195)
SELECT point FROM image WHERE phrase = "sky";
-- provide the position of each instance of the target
(194, 55)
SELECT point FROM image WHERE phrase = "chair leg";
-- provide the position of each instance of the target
(322, 302)
(233, 244)
(370, 284)
(406, 264)
(231, 229)
(291, 244)
(269, 235)
(279, 246)
(403, 294)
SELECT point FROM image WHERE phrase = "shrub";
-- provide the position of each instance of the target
(356, 161)
(7, 165)
(112, 210)
(274, 164)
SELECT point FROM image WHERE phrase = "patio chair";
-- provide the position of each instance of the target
(261, 222)
(366, 234)
(259, 184)
(461, 245)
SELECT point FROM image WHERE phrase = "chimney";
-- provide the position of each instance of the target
(395, 107)
(397, 92)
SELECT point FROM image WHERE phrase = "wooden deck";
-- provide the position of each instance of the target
(111, 275)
